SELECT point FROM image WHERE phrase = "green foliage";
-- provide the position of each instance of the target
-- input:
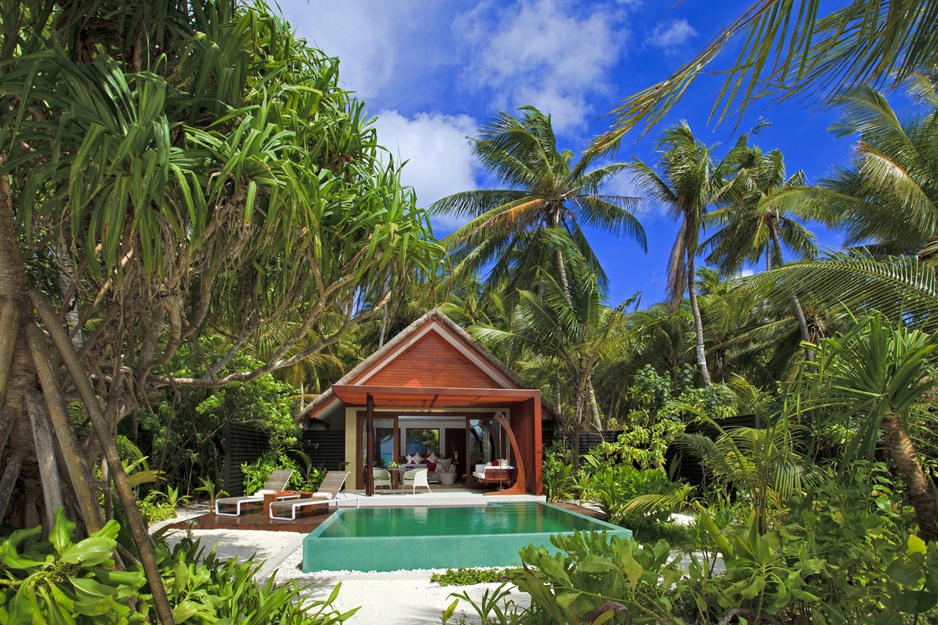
(182, 433)
(305, 477)
(60, 581)
(203, 589)
(63, 582)
(155, 507)
(557, 473)
(469, 577)
(614, 486)
(842, 553)
(212, 490)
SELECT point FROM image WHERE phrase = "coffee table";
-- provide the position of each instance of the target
(270, 498)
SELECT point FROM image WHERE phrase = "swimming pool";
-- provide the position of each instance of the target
(392, 539)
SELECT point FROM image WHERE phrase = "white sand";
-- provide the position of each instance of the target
(402, 597)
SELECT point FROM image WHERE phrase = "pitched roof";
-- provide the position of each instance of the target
(399, 363)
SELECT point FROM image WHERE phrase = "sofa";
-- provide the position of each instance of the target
(495, 472)
(439, 466)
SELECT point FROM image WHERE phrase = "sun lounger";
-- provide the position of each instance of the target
(274, 484)
(287, 510)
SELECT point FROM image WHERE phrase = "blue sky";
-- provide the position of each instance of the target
(433, 71)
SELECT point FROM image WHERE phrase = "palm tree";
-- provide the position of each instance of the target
(688, 184)
(752, 227)
(887, 200)
(546, 192)
(873, 375)
(790, 49)
(566, 333)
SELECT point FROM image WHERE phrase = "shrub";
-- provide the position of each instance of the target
(61, 581)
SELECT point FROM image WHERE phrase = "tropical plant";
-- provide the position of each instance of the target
(751, 227)
(546, 192)
(177, 168)
(687, 184)
(886, 200)
(793, 49)
(766, 466)
(61, 581)
(871, 377)
(211, 489)
(569, 329)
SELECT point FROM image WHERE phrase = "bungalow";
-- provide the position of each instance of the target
(432, 389)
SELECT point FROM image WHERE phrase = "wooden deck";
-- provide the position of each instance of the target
(257, 521)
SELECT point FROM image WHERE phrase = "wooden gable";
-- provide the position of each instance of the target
(431, 361)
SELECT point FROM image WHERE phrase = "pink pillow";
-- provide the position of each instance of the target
(431, 466)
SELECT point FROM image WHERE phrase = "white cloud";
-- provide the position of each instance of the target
(438, 154)
(375, 41)
(542, 52)
(669, 36)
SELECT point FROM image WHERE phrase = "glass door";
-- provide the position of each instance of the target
(385, 444)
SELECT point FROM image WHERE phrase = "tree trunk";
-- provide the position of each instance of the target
(45, 455)
(910, 470)
(561, 265)
(799, 311)
(79, 474)
(102, 430)
(698, 322)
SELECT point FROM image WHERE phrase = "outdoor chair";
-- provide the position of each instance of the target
(416, 478)
(383, 479)
(274, 484)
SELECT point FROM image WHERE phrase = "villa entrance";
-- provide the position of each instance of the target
(449, 436)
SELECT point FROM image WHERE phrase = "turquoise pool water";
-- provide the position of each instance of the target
(392, 539)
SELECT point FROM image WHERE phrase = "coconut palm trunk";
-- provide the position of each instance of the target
(699, 349)
(799, 311)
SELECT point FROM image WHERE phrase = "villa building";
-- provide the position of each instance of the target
(433, 390)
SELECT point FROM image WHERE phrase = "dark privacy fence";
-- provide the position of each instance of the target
(243, 443)
(247, 443)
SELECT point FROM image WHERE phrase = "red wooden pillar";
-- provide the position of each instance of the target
(370, 446)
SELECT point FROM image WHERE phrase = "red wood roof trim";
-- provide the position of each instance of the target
(355, 395)
(466, 350)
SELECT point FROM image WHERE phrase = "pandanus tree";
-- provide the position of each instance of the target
(686, 184)
(871, 377)
(169, 169)
(546, 191)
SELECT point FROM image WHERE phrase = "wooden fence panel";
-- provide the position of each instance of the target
(243, 443)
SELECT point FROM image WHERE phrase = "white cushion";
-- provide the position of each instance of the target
(504, 462)
(264, 491)
(417, 459)
(322, 495)
(433, 457)
(445, 463)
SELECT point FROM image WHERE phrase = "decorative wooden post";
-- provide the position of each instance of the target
(370, 446)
